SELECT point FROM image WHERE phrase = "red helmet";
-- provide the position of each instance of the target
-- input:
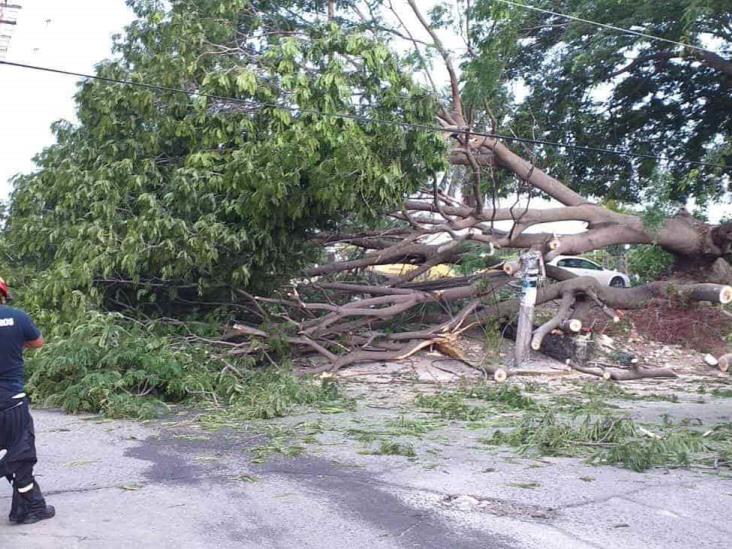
(4, 290)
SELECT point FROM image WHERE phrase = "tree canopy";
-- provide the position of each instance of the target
(578, 83)
(169, 197)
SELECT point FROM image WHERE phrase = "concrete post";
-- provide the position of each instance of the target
(529, 279)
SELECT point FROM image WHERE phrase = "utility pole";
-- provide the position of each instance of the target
(529, 281)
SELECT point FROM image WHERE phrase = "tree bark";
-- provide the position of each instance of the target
(626, 375)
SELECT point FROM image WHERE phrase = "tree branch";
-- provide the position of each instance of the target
(457, 103)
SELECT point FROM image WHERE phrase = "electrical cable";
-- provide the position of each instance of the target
(605, 25)
(355, 117)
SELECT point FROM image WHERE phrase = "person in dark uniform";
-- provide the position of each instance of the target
(17, 435)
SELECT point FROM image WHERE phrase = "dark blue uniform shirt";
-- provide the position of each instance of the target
(16, 329)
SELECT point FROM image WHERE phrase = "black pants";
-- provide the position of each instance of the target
(18, 438)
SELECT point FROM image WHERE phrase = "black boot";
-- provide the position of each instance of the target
(30, 507)
(17, 508)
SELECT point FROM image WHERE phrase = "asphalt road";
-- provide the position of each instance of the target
(120, 484)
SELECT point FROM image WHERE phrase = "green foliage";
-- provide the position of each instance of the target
(279, 443)
(363, 435)
(649, 262)
(678, 449)
(404, 426)
(105, 366)
(394, 448)
(400, 427)
(586, 85)
(608, 439)
(659, 200)
(492, 340)
(271, 393)
(162, 204)
(507, 396)
(451, 406)
(547, 434)
(525, 485)
(597, 398)
(474, 259)
(123, 369)
(162, 199)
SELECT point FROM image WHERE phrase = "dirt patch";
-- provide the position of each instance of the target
(498, 507)
(703, 329)
(699, 328)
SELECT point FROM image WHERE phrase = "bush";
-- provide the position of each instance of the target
(125, 369)
(649, 262)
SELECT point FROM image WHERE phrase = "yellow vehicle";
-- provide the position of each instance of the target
(400, 269)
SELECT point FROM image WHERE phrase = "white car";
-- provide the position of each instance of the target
(584, 267)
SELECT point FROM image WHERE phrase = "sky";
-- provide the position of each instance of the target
(69, 34)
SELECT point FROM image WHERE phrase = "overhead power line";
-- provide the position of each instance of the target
(604, 25)
(358, 118)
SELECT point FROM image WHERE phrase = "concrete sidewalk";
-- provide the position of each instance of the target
(119, 484)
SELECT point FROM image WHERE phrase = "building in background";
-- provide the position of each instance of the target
(8, 21)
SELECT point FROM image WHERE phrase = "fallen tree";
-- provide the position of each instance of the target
(362, 330)
(312, 134)
(433, 227)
